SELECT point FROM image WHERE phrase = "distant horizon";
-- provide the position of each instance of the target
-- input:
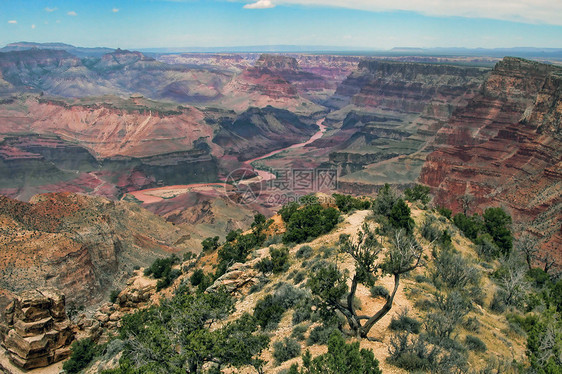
(377, 25)
(290, 48)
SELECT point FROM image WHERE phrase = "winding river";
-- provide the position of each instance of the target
(153, 195)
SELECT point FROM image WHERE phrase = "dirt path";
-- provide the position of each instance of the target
(369, 305)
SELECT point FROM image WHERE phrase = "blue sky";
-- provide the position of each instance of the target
(372, 24)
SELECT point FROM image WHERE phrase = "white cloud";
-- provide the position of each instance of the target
(13, 21)
(33, 26)
(115, 10)
(260, 4)
(528, 11)
(50, 10)
(72, 13)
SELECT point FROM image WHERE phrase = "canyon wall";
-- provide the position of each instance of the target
(505, 148)
(83, 245)
(387, 110)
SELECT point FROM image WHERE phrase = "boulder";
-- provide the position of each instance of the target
(236, 278)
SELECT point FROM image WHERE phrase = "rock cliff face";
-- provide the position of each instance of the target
(505, 148)
(407, 87)
(274, 80)
(258, 131)
(387, 110)
(277, 62)
(85, 246)
(37, 331)
(134, 127)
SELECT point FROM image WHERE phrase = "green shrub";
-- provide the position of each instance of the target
(161, 267)
(453, 270)
(210, 244)
(259, 286)
(539, 277)
(346, 203)
(304, 251)
(386, 198)
(303, 312)
(424, 303)
(264, 266)
(498, 304)
(417, 193)
(168, 279)
(327, 251)
(470, 226)
(422, 279)
(405, 323)
(474, 343)
(486, 247)
(450, 312)
(340, 358)
(309, 222)
(269, 310)
(429, 231)
(275, 239)
(279, 259)
(83, 352)
(238, 251)
(197, 277)
(399, 216)
(321, 334)
(231, 236)
(412, 354)
(417, 354)
(472, 324)
(496, 223)
(299, 277)
(445, 212)
(286, 349)
(114, 295)
(158, 337)
(299, 331)
(379, 291)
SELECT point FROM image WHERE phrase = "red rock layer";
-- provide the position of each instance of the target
(86, 246)
(505, 148)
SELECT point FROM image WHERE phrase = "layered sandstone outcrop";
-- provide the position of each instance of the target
(505, 148)
(37, 331)
(86, 246)
(274, 80)
(406, 86)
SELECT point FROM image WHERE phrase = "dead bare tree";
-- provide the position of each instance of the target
(466, 201)
(528, 247)
(403, 256)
